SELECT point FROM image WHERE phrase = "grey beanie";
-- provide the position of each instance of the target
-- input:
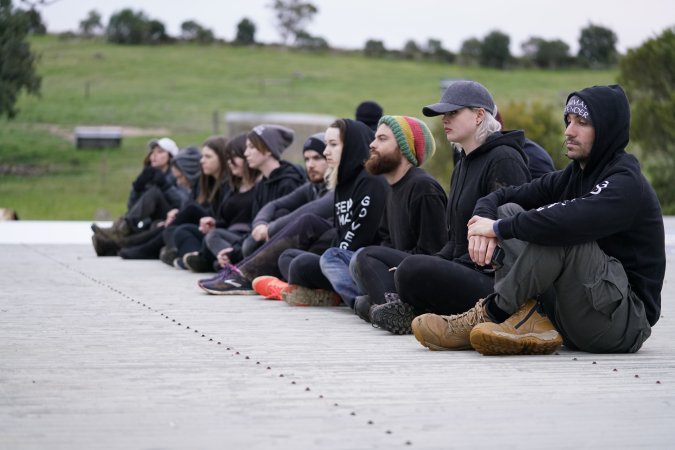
(276, 137)
(187, 161)
(462, 94)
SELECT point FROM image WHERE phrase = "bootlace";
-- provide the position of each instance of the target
(466, 320)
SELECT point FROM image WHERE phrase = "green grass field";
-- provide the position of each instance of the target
(179, 87)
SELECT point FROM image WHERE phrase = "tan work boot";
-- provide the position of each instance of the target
(527, 332)
(437, 332)
(296, 295)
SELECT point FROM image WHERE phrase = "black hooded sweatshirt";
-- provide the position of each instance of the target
(359, 196)
(283, 180)
(498, 162)
(609, 201)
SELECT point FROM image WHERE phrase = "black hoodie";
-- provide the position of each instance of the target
(359, 196)
(499, 161)
(283, 180)
(609, 201)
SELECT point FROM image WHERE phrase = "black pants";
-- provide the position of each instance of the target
(370, 269)
(150, 207)
(308, 232)
(303, 268)
(433, 284)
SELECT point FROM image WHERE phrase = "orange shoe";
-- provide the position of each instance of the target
(269, 287)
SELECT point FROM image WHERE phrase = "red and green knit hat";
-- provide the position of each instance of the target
(413, 137)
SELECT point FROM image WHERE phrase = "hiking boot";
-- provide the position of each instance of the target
(448, 332)
(395, 317)
(234, 284)
(527, 332)
(168, 254)
(119, 229)
(269, 287)
(362, 307)
(296, 295)
(104, 246)
(195, 262)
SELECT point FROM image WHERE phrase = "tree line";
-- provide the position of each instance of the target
(597, 44)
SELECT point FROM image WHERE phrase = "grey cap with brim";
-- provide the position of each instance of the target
(461, 94)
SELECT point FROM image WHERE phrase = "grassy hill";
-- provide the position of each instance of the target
(176, 89)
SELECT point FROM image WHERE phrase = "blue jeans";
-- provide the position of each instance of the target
(335, 267)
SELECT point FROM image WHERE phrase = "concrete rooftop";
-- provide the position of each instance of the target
(101, 353)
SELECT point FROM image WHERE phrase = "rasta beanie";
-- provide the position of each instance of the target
(575, 105)
(316, 142)
(413, 137)
(187, 161)
(276, 137)
(369, 112)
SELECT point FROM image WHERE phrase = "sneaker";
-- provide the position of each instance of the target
(269, 287)
(178, 264)
(168, 254)
(195, 262)
(224, 272)
(235, 284)
(395, 317)
(527, 332)
(448, 332)
(296, 295)
(362, 307)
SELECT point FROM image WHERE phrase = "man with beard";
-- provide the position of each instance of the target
(413, 222)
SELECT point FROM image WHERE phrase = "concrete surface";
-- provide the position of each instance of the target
(101, 353)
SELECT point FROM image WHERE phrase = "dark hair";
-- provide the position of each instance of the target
(258, 142)
(146, 160)
(209, 187)
(236, 148)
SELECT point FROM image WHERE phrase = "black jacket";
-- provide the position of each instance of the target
(283, 180)
(288, 203)
(499, 162)
(359, 196)
(609, 201)
(414, 219)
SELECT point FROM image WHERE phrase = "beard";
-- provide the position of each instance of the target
(379, 164)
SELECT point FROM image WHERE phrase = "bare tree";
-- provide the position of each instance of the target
(292, 16)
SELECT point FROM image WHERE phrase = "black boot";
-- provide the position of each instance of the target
(148, 250)
(104, 246)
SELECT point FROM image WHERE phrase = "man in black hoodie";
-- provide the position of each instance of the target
(593, 264)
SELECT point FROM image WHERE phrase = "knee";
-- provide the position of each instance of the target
(508, 210)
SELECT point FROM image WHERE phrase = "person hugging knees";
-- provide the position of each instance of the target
(584, 249)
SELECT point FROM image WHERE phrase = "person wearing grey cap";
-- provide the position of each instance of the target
(584, 249)
(489, 158)
(264, 146)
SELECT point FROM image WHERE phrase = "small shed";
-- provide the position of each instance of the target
(98, 137)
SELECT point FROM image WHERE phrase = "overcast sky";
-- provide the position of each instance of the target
(350, 23)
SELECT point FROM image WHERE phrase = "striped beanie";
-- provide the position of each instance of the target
(413, 137)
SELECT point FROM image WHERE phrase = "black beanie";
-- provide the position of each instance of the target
(369, 112)
(316, 142)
